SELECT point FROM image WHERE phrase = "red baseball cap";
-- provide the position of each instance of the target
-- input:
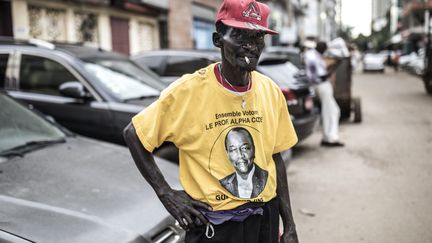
(245, 14)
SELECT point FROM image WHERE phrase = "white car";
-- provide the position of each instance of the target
(405, 60)
(413, 62)
(373, 62)
(417, 66)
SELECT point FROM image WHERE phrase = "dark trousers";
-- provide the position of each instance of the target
(254, 229)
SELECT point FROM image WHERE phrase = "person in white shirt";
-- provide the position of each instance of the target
(318, 73)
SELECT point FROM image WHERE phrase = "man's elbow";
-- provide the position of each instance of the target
(128, 132)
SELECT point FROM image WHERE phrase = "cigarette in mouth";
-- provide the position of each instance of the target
(247, 60)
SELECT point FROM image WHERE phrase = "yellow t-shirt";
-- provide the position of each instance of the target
(207, 123)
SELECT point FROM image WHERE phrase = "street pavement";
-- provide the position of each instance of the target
(378, 188)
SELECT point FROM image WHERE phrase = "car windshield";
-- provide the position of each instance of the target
(295, 59)
(133, 70)
(121, 83)
(20, 127)
(281, 73)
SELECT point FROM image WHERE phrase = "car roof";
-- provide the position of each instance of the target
(79, 50)
(282, 49)
(212, 53)
(266, 57)
(273, 58)
(88, 52)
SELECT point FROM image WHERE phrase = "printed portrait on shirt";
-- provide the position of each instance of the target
(248, 180)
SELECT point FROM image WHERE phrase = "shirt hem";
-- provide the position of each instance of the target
(143, 139)
(285, 146)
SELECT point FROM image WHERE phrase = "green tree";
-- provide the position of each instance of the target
(345, 32)
(379, 38)
(362, 42)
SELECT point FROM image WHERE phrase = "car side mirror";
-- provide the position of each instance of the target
(73, 89)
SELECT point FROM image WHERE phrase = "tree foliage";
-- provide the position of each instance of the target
(345, 32)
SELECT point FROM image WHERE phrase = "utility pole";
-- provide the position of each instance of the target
(427, 73)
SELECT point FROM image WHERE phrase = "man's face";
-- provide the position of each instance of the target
(240, 151)
(241, 43)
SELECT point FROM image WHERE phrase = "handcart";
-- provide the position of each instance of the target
(341, 80)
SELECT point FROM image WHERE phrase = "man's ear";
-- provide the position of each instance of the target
(217, 40)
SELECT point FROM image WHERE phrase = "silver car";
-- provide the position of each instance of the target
(58, 187)
(374, 62)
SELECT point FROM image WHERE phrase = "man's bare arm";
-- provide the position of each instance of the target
(332, 67)
(178, 203)
(289, 234)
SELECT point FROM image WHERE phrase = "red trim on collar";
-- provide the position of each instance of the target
(227, 86)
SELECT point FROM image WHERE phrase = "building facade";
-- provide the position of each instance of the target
(384, 11)
(113, 25)
(414, 25)
(133, 26)
(191, 23)
(320, 19)
(380, 8)
(125, 26)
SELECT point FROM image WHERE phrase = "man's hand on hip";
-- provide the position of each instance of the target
(184, 209)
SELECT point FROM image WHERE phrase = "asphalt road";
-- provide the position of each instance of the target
(378, 188)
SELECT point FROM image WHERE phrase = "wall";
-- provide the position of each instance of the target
(311, 20)
(180, 21)
(67, 17)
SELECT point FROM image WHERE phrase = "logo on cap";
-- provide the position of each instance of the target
(252, 12)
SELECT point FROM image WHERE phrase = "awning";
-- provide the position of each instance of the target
(163, 4)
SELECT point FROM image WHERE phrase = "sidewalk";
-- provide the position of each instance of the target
(379, 187)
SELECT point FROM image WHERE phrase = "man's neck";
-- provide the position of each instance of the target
(246, 176)
(235, 76)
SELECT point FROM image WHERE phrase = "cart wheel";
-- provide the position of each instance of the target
(357, 110)
(428, 86)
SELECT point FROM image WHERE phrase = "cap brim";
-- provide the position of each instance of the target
(247, 25)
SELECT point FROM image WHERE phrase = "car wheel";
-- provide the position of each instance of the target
(356, 103)
(428, 86)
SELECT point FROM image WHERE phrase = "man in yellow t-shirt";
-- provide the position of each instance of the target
(230, 124)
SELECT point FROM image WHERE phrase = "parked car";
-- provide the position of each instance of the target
(416, 66)
(293, 54)
(171, 64)
(59, 187)
(404, 60)
(374, 62)
(297, 90)
(90, 91)
(292, 81)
